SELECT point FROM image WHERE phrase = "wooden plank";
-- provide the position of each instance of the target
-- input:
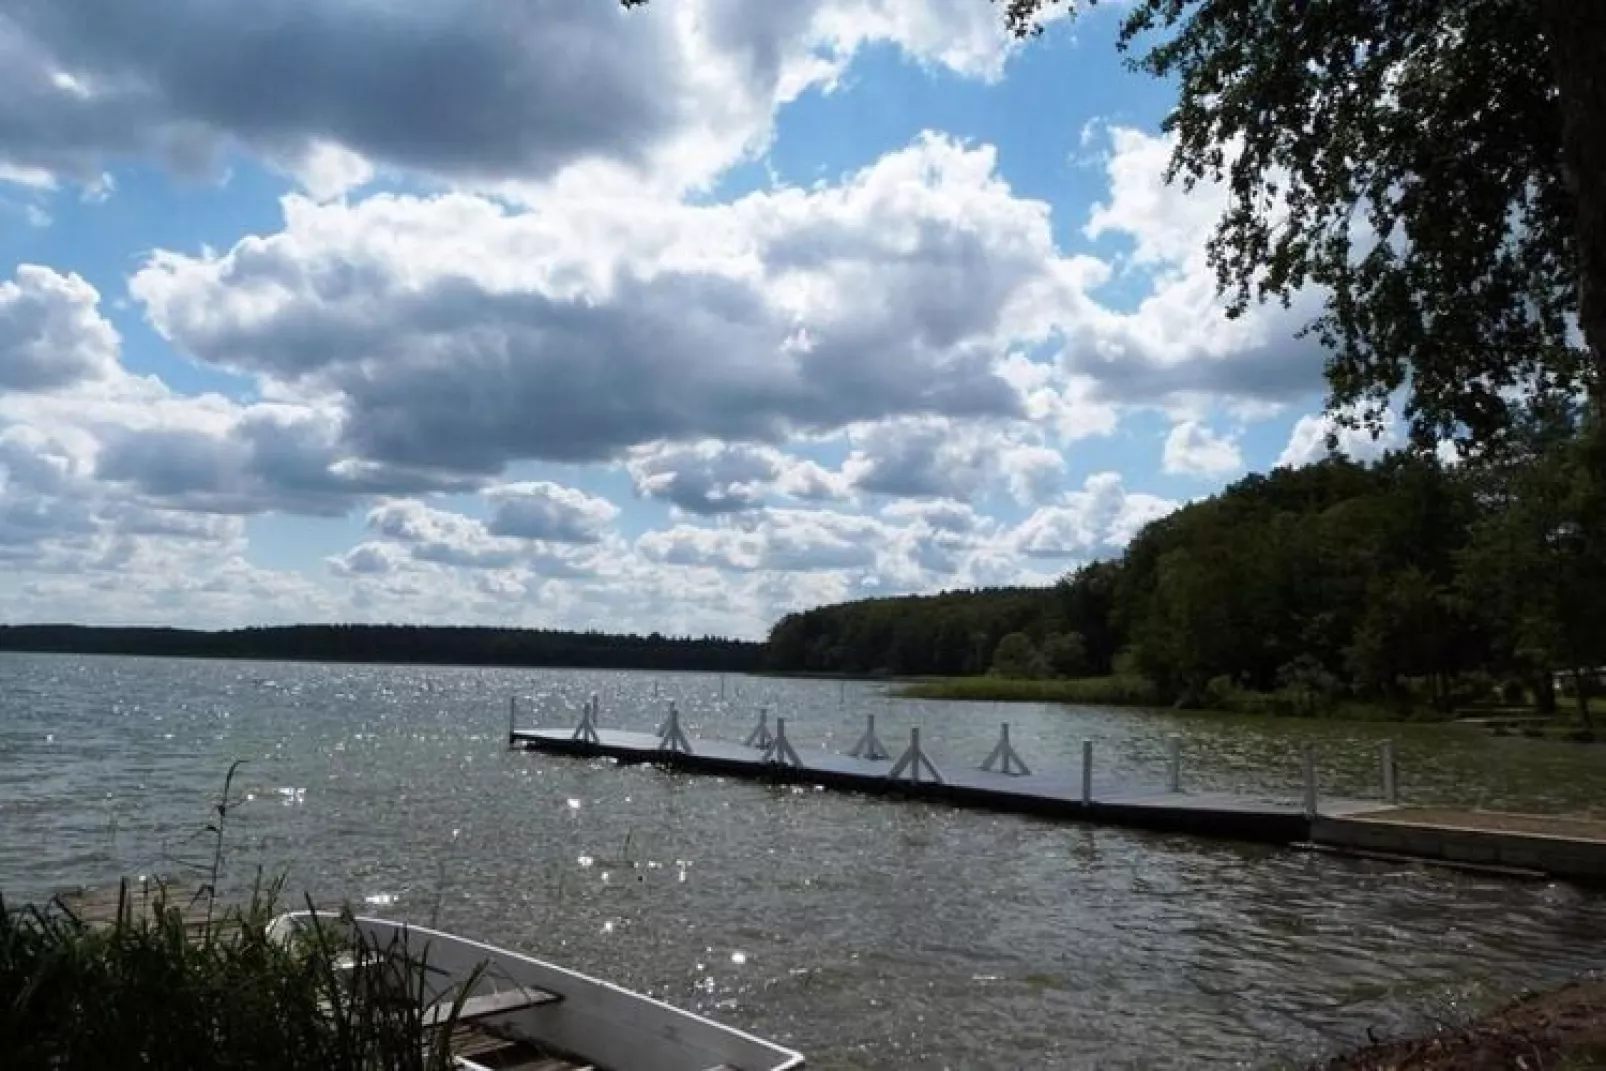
(487, 1050)
(97, 906)
(486, 1005)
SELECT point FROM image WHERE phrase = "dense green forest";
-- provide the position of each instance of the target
(1407, 582)
(397, 643)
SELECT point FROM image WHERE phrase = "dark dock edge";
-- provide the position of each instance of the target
(1494, 852)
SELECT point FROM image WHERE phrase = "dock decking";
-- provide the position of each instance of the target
(1571, 848)
(1053, 795)
(99, 905)
(1518, 845)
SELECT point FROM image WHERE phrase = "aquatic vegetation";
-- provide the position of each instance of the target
(159, 986)
(1092, 691)
(169, 979)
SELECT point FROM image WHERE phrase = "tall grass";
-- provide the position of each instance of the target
(1086, 691)
(1132, 691)
(169, 982)
(147, 991)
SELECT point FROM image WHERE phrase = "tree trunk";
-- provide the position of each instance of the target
(1544, 692)
(1575, 31)
(1581, 694)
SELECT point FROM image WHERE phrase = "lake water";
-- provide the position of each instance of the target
(869, 933)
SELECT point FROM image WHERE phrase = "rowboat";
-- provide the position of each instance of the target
(510, 1012)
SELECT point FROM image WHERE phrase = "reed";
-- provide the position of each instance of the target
(146, 991)
(171, 982)
(1087, 691)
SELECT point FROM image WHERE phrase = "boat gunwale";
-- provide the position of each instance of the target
(791, 1059)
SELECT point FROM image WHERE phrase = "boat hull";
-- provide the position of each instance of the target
(607, 1025)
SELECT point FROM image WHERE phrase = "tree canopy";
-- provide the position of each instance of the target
(1435, 168)
(1405, 582)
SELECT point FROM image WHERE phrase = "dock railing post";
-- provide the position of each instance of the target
(779, 752)
(587, 729)
(1004, 756)
(1087, 773)
(1174, 771)
(761, 736)
(869, 745)
(512, 719)
(673, 739)
(1311, 800)
(915, 762)
(1391, 782)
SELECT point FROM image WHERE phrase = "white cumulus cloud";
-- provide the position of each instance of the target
(1192, 449)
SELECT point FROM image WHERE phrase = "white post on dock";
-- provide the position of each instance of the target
(1391, 782)
(1087, 773)
(869, 745)
(760, 737)
(1311, 800)
(1174, 772)
(1004, 756)
(780, 751)
(914, 760)
(673, 739)
(596, 708)
(587, 729)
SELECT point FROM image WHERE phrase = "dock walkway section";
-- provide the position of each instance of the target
(1515, 845)
(1051, 795)
(1519, 845)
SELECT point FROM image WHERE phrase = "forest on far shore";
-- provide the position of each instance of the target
(1406, 583)
(398, 643)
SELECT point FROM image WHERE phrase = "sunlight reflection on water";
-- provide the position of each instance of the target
(868, 932)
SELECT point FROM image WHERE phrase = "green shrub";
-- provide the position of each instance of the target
(1015, 657)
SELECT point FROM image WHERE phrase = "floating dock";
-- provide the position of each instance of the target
(1002, 781)
(1510, 845)
(1516, 845)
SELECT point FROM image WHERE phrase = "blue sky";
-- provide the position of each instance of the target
(553, 314)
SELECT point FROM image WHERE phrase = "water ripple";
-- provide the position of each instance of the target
(869, 932)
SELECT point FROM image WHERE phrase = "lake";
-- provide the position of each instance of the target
(870, 933)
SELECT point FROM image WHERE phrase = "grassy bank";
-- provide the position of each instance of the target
(1086, 691)
(149, 990)
(1132, 691)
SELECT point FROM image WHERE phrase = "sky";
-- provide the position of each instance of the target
(548, 313)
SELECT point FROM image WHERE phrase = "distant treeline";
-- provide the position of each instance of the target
(1406, 582)
(398, 643)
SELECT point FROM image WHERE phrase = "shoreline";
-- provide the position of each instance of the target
(335, 660)
(1118, 691)
(1558, 1029)
(1135, 693)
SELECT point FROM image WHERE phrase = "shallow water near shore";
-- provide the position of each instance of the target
(869, 933)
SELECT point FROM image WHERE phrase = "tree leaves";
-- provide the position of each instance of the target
(1404, 158)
